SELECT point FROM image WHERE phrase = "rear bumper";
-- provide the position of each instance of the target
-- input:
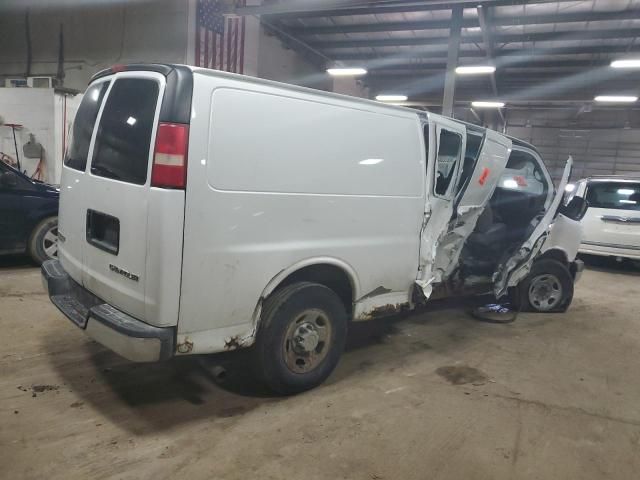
(125, 335)
(610, 250)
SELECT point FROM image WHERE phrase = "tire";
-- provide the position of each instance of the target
(43, 242)
(548, 288)
(302, 333)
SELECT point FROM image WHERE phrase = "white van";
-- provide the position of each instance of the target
(203, 211)
(612, 222)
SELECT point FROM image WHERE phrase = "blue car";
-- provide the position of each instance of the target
(28, 216)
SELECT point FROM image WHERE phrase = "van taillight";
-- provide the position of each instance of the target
(170, 156)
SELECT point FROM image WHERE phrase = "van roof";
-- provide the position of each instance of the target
(167, 68)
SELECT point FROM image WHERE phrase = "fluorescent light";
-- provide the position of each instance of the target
(632, 202)
(570, 187)
(371, 161)
(626, 191)
(630, 63)
(131, 121)
(616, 98)
(475, 69)
(391, 98)
(487, 104)
(510, 183)
(346, 72)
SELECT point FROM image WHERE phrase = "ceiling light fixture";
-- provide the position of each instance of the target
(347, 72)
(483, 104)
(616, 98)
(629, 63)
(475, 69)
(391, 98)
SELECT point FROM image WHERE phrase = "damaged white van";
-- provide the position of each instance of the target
(203, 211)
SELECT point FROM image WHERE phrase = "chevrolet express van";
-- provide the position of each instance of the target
(203, 211)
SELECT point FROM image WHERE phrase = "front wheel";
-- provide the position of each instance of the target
(302, 334)
(547, 288)
(43, 243)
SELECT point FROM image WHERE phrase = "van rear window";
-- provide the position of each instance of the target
(76, 155)
(123, 139)
(617, 195)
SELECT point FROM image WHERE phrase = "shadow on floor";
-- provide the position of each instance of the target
(16, 261)
(623, 266)
(145, 398)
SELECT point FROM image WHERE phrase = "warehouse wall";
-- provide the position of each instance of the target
(601, 142)
(95, 37)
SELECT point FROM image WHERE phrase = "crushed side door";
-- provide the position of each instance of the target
(446, 144)
(510, 272)
(491, 161)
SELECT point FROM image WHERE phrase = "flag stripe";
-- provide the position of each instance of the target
(206, 48)
(197, 62)
(241, 69)
(235, 45)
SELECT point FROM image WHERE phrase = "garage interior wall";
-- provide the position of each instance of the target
(98, 36)
(601, 142)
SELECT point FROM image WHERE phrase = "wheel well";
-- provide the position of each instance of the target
(557, 255)
(328, 275)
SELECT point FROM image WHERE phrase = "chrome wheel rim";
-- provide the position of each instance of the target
(50, 242)
(306, 342)
(545, 292)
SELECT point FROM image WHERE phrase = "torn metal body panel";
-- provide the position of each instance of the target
(473, 195)
(517, 267)
(380, 305)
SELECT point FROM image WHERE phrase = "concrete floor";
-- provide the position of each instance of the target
(549, 396)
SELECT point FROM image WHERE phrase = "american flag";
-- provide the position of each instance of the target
(219, 40)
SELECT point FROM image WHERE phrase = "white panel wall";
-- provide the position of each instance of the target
(41, 112)
(33, 108)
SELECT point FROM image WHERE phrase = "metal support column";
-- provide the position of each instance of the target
(452, 61)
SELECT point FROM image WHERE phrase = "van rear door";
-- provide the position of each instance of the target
(127, 229)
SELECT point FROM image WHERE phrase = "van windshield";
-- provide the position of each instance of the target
(123, 139)
(617, 195)
(76, 155)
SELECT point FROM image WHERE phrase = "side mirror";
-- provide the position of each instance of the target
(8, 179)
(575, 209)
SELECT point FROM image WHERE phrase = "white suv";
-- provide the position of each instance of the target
(611, 225)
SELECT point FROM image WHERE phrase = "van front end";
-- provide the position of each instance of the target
(129, 337)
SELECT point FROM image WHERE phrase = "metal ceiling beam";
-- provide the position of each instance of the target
(526, 64)
(452, 61)
(500, 38)
(525, 54)
(314, 56)
(466, 23)
(336, 8)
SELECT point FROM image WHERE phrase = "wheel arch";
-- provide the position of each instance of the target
(556, 253)
(332, 272)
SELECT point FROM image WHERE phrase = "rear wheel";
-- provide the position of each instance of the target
(43, 243)
(547, 288)
(302, 334)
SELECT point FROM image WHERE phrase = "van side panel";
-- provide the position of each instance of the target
(276, 178)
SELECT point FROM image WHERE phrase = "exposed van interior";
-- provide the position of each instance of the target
(507, 219)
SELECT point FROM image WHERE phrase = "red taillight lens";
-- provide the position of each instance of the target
(170, 156)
